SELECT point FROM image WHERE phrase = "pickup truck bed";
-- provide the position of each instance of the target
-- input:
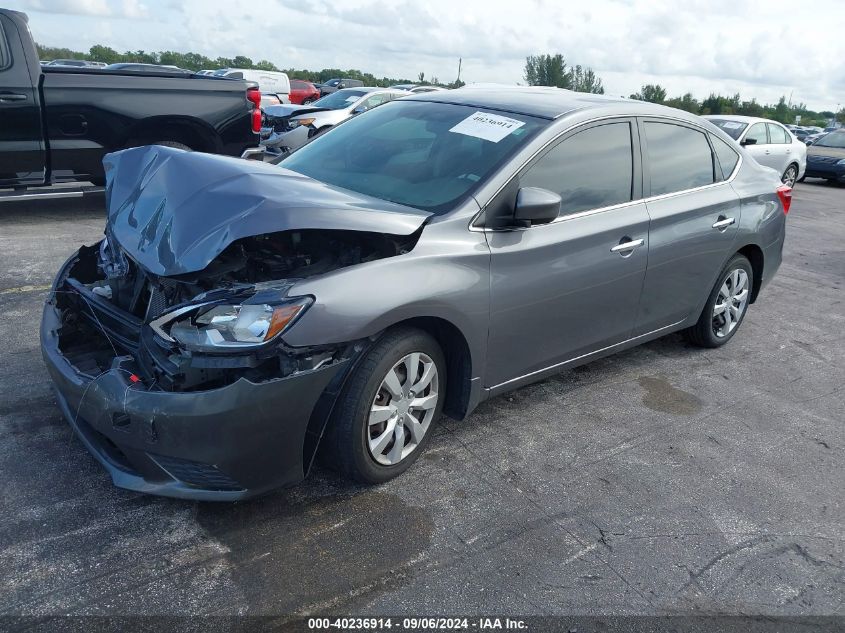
(58, 123)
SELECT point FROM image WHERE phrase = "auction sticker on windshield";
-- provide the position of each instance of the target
(490, 127)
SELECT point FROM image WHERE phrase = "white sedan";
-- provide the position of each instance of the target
(769, 142)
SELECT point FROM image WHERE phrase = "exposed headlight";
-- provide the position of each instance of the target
(841, 162)
(295, 123)
(219, 326)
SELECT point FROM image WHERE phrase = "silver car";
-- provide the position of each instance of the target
(769, 142)
(240, 318)
(307, 122)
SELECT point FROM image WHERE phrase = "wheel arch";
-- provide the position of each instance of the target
(754, 254)
(455, 348)
(196, 134)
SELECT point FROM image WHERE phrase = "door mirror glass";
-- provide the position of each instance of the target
(536, 206)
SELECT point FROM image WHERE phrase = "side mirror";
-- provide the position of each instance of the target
(359, 109)
(749, 141)
(536, 206)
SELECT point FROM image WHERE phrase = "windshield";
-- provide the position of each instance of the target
(332, 82)
(421, 154)
(340, 99)
(836, 139)
(731, 128)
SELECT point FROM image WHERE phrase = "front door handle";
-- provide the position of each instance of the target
(722, 223)
(8, 97)
(627, 245)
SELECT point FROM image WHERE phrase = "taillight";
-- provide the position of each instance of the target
(785, 195)
(253, 95)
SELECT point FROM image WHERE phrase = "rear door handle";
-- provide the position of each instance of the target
(722, 223)
(628, 245)
(8, 97)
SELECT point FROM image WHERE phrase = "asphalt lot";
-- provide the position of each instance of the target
(665, 479)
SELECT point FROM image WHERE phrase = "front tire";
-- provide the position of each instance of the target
(726, 306)
(384, 417)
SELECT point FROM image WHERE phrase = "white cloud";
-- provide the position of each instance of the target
(102, 8)
(753, 47)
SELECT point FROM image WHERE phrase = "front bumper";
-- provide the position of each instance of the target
(221, 444)
(287, 141)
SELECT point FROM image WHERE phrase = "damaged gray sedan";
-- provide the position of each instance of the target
(240, 319)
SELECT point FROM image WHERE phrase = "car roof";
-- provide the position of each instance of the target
(741, 118)
(540, 101)
(368, 89)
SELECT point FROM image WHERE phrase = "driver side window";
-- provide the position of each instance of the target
(758, 133)
(590, 169)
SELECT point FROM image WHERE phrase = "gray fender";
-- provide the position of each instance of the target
(442, 277)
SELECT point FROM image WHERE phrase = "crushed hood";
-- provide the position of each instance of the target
(289, 109)
(173, 211)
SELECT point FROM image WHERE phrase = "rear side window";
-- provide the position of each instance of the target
(298, 85)
(727, 155)
(5, 58)
(590, 170)
(679, 158)
(758, 133)
(777, 134)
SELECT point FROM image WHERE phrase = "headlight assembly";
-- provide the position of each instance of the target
(220, 326)
(295, 123)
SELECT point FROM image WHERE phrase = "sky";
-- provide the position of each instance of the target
(759, 48)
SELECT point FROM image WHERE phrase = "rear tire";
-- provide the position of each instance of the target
(174, 144)
(376, 409)
(726, 305)
(790, 175)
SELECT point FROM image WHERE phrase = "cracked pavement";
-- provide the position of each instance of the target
(663, 480)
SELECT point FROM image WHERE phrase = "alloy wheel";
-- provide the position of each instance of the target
(403, 409)
(730, 302)
(790, 176)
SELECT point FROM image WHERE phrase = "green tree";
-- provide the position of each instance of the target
(686, 102)
(585, 80)
(840, 116)
(751, 108)
(104, 54)
(781, 112)
(547, 70)
(653, 93)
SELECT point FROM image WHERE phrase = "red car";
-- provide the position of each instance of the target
(303, 92)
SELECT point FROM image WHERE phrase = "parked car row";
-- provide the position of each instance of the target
(289, 127)
(769, 142)
(59, 121)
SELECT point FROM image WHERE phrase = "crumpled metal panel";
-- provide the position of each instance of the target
(173, 211)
